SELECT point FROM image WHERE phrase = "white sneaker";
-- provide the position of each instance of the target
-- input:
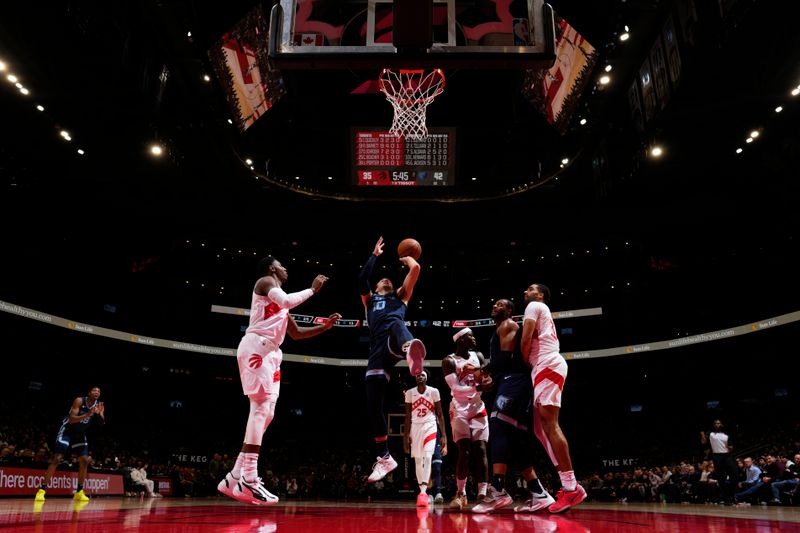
(382, 466)
(439, 498)
(253, 492)
(493, 500)
(415, 355)
(227, 484)
(535, 503)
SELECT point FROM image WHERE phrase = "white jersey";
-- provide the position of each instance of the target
(268, 319)
(423, 404)
(466, 391)
(545, 340)
(719, 442)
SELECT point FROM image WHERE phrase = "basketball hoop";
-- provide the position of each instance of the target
(410, 92)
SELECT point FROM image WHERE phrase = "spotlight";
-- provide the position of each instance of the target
(605, 80)
(656, 151)
(624, 36)
(779, 109)
(156, 149)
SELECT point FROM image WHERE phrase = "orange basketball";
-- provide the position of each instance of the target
(409, 247)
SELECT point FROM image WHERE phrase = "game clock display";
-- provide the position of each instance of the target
(383, 159)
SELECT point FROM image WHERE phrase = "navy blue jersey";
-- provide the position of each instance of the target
(78, 427)
(502, 362)
(383, 309)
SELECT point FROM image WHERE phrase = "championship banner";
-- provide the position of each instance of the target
(26, 481)
(557, 90)
(240, 62)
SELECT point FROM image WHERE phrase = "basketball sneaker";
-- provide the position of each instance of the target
(567, 499)
(253, 492)
(415, 355)
(422, 499)
(382, 466)
(439, 498)
(493, 500)
(227, 484)
(535, 503)
(80, 496)
(459, 502)
(39, 495)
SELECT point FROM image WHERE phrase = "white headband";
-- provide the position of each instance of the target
(461, 334)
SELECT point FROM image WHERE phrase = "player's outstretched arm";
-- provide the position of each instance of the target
(363, 278)
(405, 292)
(297, 333)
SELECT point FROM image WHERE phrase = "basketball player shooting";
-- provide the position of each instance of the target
(390, 341)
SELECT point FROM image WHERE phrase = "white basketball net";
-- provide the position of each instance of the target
(410, 92)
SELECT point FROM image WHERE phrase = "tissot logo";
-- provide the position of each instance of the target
(255, 361)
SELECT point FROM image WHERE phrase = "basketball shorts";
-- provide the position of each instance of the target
(386, 346)
(513, 399)
(548, 376)
(68, 443)
(469, 421)
(423, 439)
(259, 365)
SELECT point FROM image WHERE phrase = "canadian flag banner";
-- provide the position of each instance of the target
(312, 39)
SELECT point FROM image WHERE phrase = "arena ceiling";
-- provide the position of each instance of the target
(120, 76)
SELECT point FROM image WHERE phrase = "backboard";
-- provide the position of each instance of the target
(363, 34)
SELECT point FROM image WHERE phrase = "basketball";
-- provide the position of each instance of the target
(409, 247)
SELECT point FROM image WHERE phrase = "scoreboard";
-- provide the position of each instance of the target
(380, 158)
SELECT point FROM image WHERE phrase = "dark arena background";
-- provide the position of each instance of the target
(638, 157)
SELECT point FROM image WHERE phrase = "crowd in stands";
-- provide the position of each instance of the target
(768, 473)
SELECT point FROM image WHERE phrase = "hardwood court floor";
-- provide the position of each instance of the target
(227, 516)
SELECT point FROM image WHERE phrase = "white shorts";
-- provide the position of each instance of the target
(423, 439)
(469, 421)
(548, 378)
(259, 365)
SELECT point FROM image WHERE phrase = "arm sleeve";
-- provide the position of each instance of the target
(288, 301)
(366, 272)
(454, 384)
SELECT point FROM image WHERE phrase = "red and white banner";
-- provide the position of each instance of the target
(26, 481)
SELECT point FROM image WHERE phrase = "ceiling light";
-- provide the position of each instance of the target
(608, 68)
(656, 151)
(624, 37)
(795, 91)
(297, 177)
(748, 140)
(206, 78)
(583, 122)
(248, 161)
(18, 85)
(40, 107)
(778, 109)
(64, 133)
(24, 91)
(739, 150)
(474, 179)
(80, 151)
(2, 66)
(156, 150)
(565, 161)
(12, 78)
(754, 134)
(230, 121)
(330, 177)
(605, 80)
(188, 34)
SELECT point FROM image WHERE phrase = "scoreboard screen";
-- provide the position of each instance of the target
(383, 159)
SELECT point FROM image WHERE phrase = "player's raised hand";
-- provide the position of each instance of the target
(378, 250)
(408, 261)
(318, 282)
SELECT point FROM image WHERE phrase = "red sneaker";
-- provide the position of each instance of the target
(415, 355)
(567, 499)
